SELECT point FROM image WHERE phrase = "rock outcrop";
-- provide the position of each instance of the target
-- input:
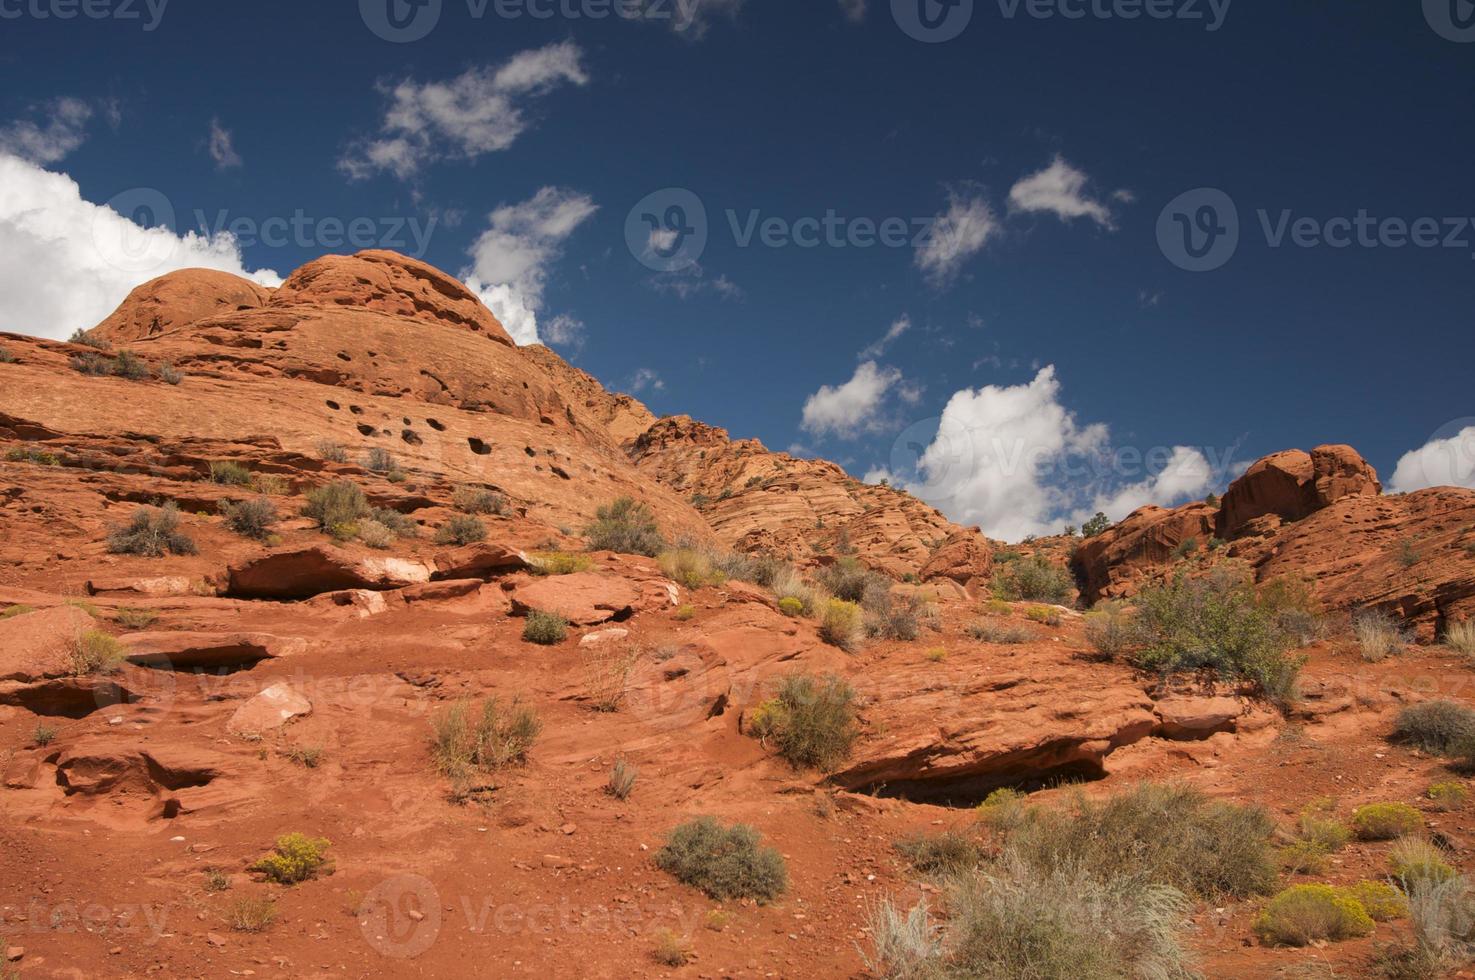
(1294, 484)
(174, 301)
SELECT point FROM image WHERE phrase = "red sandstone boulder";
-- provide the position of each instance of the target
(965, 558)
(1115, 562)
(1294, 484)
(176, 300)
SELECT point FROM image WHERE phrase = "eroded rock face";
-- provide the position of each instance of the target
(1115, 562)
(965, 558)
(584, 598)
(1294, 484)
(307, 572)
(176, 300)
(181, 650)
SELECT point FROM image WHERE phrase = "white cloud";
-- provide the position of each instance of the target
(510, 260)
(877, 475)
(565, 331)
(902, 325)
(692, 281)
(854, 10)
(64, 129)
(645, 378)
(222, 147)
(1015, 461)
(1441, 462)
(481, 111)
(1060, 189)
(855, 405)
(69, 262)
(692, 18)
(957, 234)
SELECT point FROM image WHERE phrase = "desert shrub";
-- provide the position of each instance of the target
(151, 533)
(1007, 634)
(380, 460)
(545, 628)
(945, 853)
(169, 374)
(690, 567)
(810, 721)
(1109, 630)
(18, 610)
(1292, 603)
(229, 473)
(626, 527)
(848, 579)
(1381, 901)
(997, 607)
(295, 858)
(903, 946)
(1418, 861)
(1435, 726)
(271, 484)
(559, 563)
(250, 518)
(893, 617)
(1442, 914)
(476, 500)
(1045, 615)
(787, 584)
(463, 744)
(791, 607)
(130, 367)
(44, 735)
(937, 655)
(337, 508)
(1460, 638)
(1328, 833)
(1034, 579)
(1378, 634)
(607, 669)
(671, 949)
(1096, 525)
(402, 525)
(86, 339)
(93, 365)
(622, 780)
(1004, 810)
(247, 914)
(461, 529)
(686, 613)
(1303, 857)
(1171, 834)
(1303, 914)
(332, 452)
(6, 357)
(376, 535)
(1386, 821)
(1015, 922)
(1448, 796)
(842, 624)
(40, 457)
(726, 863)
(216, 881)
(1215, 624)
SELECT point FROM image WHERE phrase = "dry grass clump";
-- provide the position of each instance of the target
(949, 852)
(1417, 861)
(622, 780)
(671, 949)
(465, 742)
(93, 652)
(332, 452)
(152, 532)
(607, 669)
(691, 568)
(811, 721)
(1460, 638)
(476, 500)
(1378, 634)
(842, 624)
(251, 914)
(1006, 634)
(626, 527)
(1303, 914)
(1437, 727)
(545, 628)
(1109, 629)
(559, 563)
(727, 863)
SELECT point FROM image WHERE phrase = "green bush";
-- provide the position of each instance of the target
(250, 518)
(1448, 796)
(1435, 726)
(1215, 624)
(475, 500)
(1034, 579)
(1418, 862)
(1109, 630)
(841, 624)
(229, 473)
(337, 508)
(811, 721)
(1381, 901)
(727, 863)
(945, 853)
(1303, 914)
(791, 606)
(1096, 525)
(131, 367)
(295, 858)
(461, 529)
(494, 738)
(1171, 834)
(545, 628)
(1386, 821)
(402, 525)
(626, 527)
(152, 533)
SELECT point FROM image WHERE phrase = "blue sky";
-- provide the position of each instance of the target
(1031, 308)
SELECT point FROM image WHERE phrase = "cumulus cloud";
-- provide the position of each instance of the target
(1060, 189)
(1015, 461)
(222, 147)
(1441, 462)
(643, 379)
(957, 234)
(482, 111)
(511, 260)
(846, 409)
(62, 129)
(69, 262)
(565, 331)
(902, 324)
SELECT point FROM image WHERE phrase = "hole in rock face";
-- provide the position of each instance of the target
(334, 405)
(966, 792)
(479, 447)
(366, 430)
(343, 357)
(410, 437)
(437, 426)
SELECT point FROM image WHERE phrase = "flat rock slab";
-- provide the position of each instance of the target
(308, 572)
(584, 598)
(479, 561)
(189, 651)
(161, 586)
(269, 710)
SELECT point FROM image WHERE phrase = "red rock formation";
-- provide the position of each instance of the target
(1293, 484)
(1115, 562)
(176, 300)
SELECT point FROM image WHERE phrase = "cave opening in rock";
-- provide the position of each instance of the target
(966, 792)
